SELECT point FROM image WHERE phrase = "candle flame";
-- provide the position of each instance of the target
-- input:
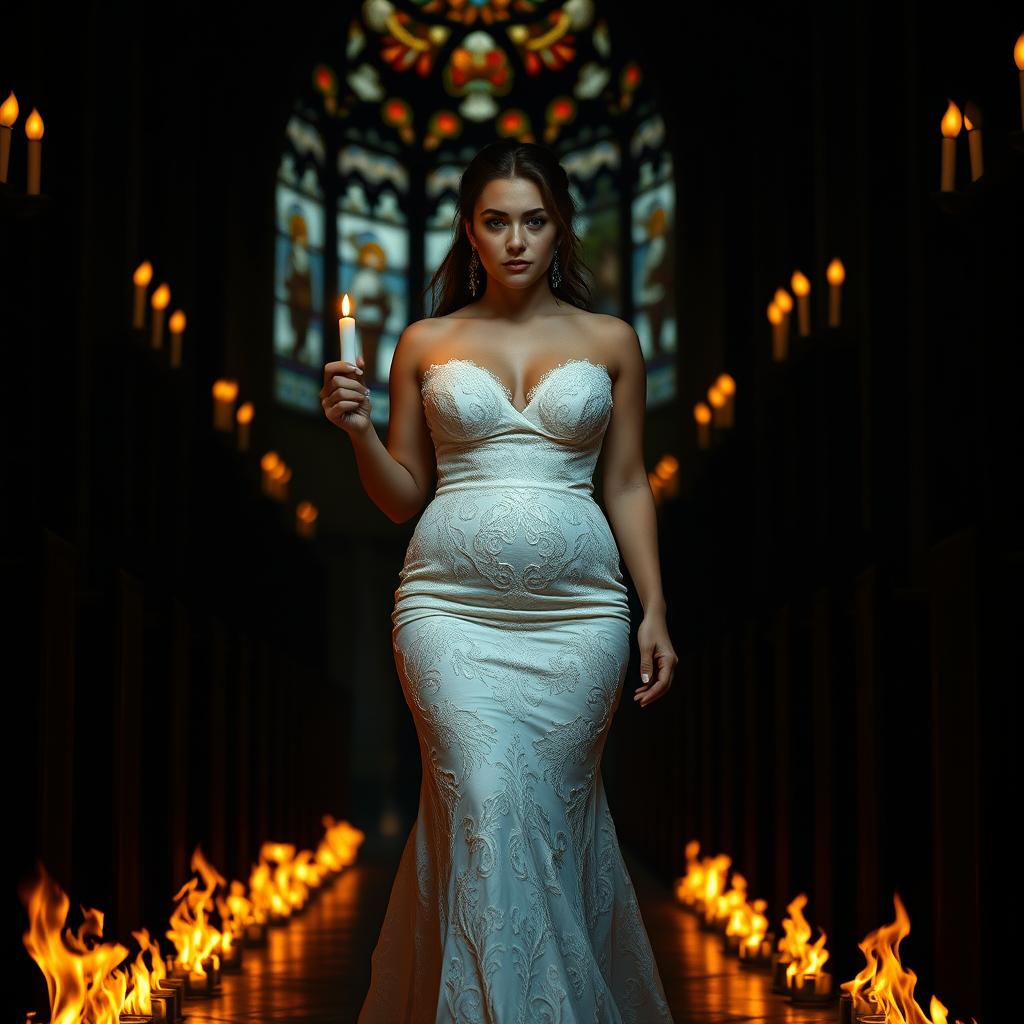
(715, 397)
(783, 300)
(774, 313)
(701, 413)
(245, 413)
(177, 322)
(345, 305)
(799, 283)
(972, 116)
(306, 512)
(1018, 52)
(225, 390)
(951, 121)
(143, 273)
(34, 125)
(161, 297)
(726, 384)
(269, 461)
(836, 272)
(9, 110)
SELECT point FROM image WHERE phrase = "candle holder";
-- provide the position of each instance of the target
(172, 992)
(255, 935)
(812, 989)
(779, 965)
(166, 1004)
(759, 959)
(203, 985)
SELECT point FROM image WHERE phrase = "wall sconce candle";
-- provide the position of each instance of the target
(1018, 57)
(34, 132)
(702, 417)
(224, 394)
(8, 115)
(802, 290)
(727, 386)
(951, 125)
(836, 275)
(778, 341)
(177, 326)
(141, 278)
(972, 122)
(244, 417)
(159, 301)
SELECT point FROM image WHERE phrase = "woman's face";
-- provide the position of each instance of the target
(511, 223)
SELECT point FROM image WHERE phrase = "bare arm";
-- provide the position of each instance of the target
(625, 489)
(398, 478)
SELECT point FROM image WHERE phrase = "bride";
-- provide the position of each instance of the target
(511, 625)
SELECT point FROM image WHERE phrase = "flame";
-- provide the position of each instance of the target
(716, 397)
(34, 130)
(177, 322)
(194, 938)
(836, 272)
(702, 413)
(225, 390)
(346, 305)
(951, 121)
(726, 384)
(884, 986)
(161, 297)
(774, 313)
(9, 110)
(1018, 52)
(783, 300)
(80, 974)
(245, 413)
(143, 273)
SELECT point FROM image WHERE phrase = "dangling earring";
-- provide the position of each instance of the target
(556, 274)
(474, 262)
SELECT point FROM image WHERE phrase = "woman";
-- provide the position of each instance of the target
(511, 622)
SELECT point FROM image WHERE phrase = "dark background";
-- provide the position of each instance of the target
(842, 570)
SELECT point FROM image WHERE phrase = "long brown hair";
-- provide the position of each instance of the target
(510, 158)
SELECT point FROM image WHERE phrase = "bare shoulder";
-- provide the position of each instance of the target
(616, 339)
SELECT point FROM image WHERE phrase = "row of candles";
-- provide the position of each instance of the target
(275, 473)
(881, 993)
(90, 980)
(9, 110)
(953, 122)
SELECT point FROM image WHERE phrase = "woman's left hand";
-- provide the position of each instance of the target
(655, 649)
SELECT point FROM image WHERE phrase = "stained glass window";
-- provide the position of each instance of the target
(299, 268)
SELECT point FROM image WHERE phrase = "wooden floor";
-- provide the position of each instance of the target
(316, 968)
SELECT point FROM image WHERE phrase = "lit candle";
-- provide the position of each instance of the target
(34, 131)
(244, 418)
(836, 275)
(177, 326)
(267, 465)
(1018, 57)
(347, 332)
(161, 297)
(8, 115)
(702, 416)
(224, 394)
(141, 278)
(717, 402)
(727, 386)
(305, 519)
(951, 124)
(778, 342)
(802, 289)
(784, 303)
(972, 122)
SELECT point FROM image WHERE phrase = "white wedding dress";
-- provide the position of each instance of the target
(511, 636)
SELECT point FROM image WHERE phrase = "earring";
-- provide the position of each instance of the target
(474, 262)
(556, 274)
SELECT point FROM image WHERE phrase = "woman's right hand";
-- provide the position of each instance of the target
(346, 400)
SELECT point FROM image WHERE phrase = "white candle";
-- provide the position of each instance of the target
(141, 278)
(347, 332)
(159, 301)
(836, 274)
(972, 122)
(8, 115)
(177, 326)
(1018, 57)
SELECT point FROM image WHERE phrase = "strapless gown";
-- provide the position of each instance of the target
(511, 634)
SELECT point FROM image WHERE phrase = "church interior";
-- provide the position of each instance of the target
(812, 216)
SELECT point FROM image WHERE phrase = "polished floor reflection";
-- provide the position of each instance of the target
(316, 968)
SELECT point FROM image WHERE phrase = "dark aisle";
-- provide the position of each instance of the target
(315, 969)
